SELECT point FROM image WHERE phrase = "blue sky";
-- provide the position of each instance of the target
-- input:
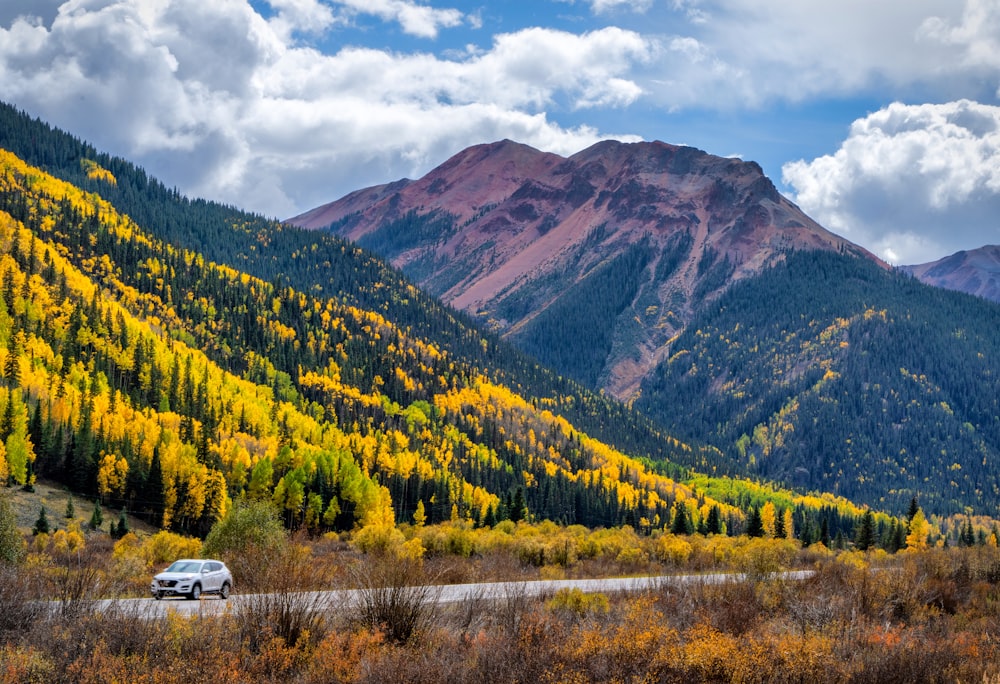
(880, 119)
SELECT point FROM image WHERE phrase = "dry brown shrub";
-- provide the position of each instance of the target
(20, 606)
(25, 665)
(394, 596)
(288, 606)
(341, 656)
(440, 658)
(638, 645)
(732, 606)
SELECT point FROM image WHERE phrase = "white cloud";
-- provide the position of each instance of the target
(602, 6)
(212, 98)
(305, 16)
(911, 182)
(752, 53)
(415, 19)
(977, 33)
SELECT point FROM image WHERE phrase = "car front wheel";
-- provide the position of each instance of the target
(224, 592)
(196, 592)
(158, 595)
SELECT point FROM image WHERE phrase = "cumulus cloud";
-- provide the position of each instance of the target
(212, 97)
(911, 182)
(752, 53)
(976, 33)
(415, 19)
(300, 16)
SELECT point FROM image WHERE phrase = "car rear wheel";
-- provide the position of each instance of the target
(195, 592)
(224, 592)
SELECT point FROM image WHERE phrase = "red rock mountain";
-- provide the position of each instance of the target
(976, 271)
(591, 262)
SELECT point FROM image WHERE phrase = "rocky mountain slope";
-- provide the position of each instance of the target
(975, 271)
(592, 263)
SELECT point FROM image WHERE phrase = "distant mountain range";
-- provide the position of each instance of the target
(976, 271)
(591, 263)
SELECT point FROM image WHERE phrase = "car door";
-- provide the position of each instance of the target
(219, 575)
(210, 577)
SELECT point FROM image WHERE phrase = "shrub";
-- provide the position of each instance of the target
(287, 606)
(580, 604)
(387, 540)
(250, 531)
(393, 596)
(11, 541)
(166, 547)
(672, 549)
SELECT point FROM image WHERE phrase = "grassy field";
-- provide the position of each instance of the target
(55, 497)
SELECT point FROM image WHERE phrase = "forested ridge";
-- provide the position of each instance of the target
(145, 374)
(323, 265)
(828, 372)
(117, 391)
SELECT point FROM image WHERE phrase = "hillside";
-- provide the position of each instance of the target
(144, 374)
(975, 271)
(591, 263)
(828, 372)
(103, 334)
(326, 266)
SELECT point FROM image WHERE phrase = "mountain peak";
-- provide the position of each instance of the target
(505, 231)
(975, 271)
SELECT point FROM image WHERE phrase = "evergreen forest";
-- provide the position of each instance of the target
(828, 372)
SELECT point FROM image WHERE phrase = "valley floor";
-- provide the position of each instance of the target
(921, 616)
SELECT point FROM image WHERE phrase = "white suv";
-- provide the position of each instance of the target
(193, 577)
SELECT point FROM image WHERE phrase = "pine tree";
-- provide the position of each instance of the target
(97, 517)
(865, 537)
(968, 534)
(824, 532)
(714, 523)
(900, 540)
(681, 523)
(518, 509)
(122, 528)
(70, 510)
(152, 490)
(490, 519)
(42, 524)
(755, 526)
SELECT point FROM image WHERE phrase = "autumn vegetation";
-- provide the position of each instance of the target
(139, 374)
(923, 614)
(318, 433)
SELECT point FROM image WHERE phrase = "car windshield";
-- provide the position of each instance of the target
(184, 566)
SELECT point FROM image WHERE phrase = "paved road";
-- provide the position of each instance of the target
(448, 593)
